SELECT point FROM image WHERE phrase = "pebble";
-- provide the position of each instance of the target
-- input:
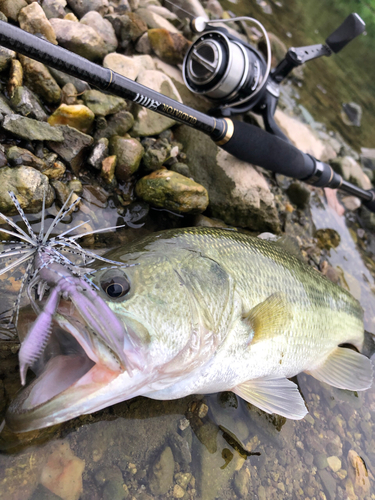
(30, 129)
(74, 115)
(334, 463)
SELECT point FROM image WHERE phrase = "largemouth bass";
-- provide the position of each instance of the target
(203, 310)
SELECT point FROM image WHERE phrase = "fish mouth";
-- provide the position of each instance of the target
(73, 375)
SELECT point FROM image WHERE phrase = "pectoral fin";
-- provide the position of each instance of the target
(345, 369)
(273, 395)
(270, 317)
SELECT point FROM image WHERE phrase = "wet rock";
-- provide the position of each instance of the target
(351, 114)
(33, 19)
(39, 80)
(55, 171)
(180, 168)
(304, 137)
(81, 7)
(11, 8)
(368, 158)
(103, 104)
(153, 158)
(62, 79)
(28, 185)
(108, 169)
(79, 38)
(103, 27)
(351, 171)
(54, 8)
(5, 109)
(351, 202)
(153, 20)
(6, 57)
(3, 159)
(73, 148)
(170, 47)
(161, 478)
(128, 27)
(148, 122)
(19, 156)
(69, 94)
(334, 463)
(75, 115)
(30, 129)
(118, 124)
(358, 474)
(15, 77)
(63, 472)
(129, 154)
(241, 482)
(143, 45)
(329, 484)
(215, 8)
(98, 153)
(26, 103)
(130, 67)
(299, 194)
(167, 189)
(239, 195)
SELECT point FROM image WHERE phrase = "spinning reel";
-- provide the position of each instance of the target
(236, 77)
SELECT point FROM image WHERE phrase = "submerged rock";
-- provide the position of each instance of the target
(28, 185)
(351, 114)
(62, 474)
(30, 129)
(170, 190)
(161, 478)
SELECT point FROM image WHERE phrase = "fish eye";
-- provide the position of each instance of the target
(115, 286)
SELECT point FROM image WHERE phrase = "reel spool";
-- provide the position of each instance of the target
(224, 68)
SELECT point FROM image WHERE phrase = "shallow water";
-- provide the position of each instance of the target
(328, 82)
(208, 447)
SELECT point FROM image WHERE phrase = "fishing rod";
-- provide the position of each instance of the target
(224, 68)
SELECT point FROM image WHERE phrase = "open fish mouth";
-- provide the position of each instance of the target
(72, 375)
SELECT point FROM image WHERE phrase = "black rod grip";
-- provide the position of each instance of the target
(254, 145)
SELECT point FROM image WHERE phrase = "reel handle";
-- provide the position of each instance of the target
(352, 27)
